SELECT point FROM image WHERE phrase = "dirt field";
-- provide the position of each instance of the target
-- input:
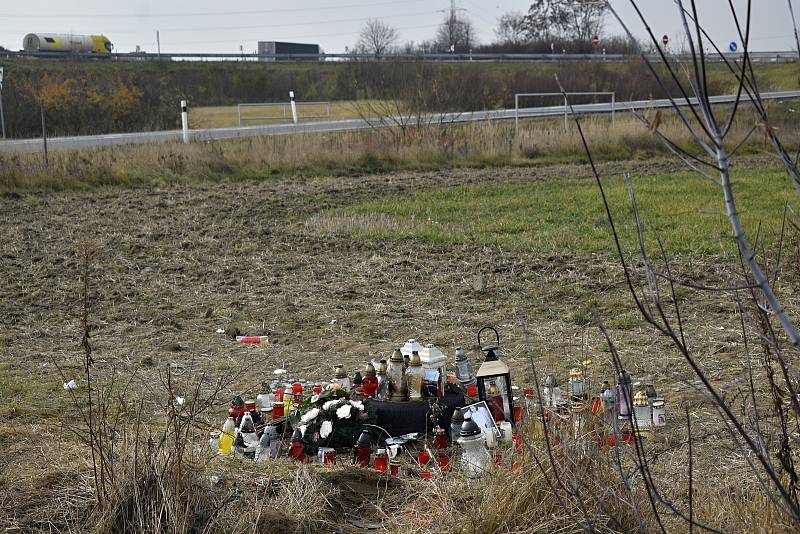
(175, 264)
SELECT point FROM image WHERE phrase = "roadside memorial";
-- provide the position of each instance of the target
(408, 415)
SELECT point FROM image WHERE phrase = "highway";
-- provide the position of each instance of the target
(213, 134)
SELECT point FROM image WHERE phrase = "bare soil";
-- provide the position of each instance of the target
(175, 264)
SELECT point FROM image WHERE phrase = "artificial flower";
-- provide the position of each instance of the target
(357, 405)
(314, 399)
(303, 429)
(326, 429)
(343, 412)
(330, 404)
(310, 415)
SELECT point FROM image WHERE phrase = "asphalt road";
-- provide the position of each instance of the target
(208, 134)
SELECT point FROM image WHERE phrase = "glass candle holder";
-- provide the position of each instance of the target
(443, 461)
(361, 455)
(381, 461)
(423, 457)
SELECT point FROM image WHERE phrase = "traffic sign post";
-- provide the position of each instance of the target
(665, 39)
(596, 40)
(733, 47)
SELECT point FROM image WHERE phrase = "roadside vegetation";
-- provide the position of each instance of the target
(88, 97)
(411, 145)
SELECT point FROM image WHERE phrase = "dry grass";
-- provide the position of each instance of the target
(224, 116)
(429, 147)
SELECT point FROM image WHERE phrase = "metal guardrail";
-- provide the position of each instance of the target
(517, 109)
(286, 111)
(770, 57)
(211, 134)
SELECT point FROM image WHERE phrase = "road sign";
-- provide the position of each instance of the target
(596, 40)
(733, 47)
(665, 39)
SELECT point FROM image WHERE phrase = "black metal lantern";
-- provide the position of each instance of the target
(494, 381)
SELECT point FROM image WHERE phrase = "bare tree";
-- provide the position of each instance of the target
(571, 19)
(377, 38)
(584, 18)
(651, 280)
(455, 34)
(545, 19)
(511, 28)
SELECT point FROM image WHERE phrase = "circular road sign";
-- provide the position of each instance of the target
(733, 47)
(596, 40)
(665, 39)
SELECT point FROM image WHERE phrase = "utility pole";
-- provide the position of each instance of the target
(452, 26)
(158, 44)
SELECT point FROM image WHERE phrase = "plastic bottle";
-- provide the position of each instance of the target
(226, 438)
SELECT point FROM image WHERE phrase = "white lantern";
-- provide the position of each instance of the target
(475, 457)
(411, 347)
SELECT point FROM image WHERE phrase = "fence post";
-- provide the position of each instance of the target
(44, 132)
(613, 106)
(294, 107)
(184, 121)
(516, 115)
(565, 114)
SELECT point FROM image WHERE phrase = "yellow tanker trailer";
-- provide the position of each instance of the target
(67, 42)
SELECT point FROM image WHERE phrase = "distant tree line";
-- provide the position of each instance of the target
(549, 26)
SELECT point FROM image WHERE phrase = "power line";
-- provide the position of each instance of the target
(240, 40)
(209, 13)
(268, 26)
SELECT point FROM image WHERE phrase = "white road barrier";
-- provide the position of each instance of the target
(212, 134)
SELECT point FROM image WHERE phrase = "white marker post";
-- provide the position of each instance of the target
(184, 121)
(294, 107)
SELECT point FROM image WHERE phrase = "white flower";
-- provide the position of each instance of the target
(357, 404)
(330, 404)
(326, 429)
(314, 399)
(310, 415)
(303, 430)
(343, 412)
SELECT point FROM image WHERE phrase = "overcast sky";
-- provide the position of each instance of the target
(220, 26)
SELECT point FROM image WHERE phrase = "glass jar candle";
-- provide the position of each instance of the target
(423, 457)
(277, 410)
(396, 375)
(394, 468)
(362, 452)
(455, 424)
(624, 395)
(415, 376)
(465, 373)
(475, 457)
(381, 460)
(440, 438)
(443, 461)
(213, 440)
(659, 413)
(643, 412)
